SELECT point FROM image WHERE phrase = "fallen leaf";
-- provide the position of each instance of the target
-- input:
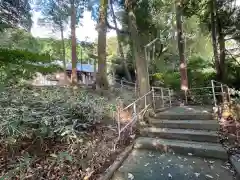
(130, 176)
(146, 164)
(209, 176)
(197, 174)
(169, 175)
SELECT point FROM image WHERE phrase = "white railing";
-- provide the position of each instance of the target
(222, 94)
(129, 85)
(220, 91)
(127, 117)
(213, 94)
(199, 95)
(124, 84)
(162, 97)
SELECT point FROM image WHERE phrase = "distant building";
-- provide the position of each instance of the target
(85, 73)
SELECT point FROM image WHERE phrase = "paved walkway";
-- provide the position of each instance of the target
(152, 165)
(187, 135)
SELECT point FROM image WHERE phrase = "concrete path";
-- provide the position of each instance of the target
(153, 165)
(181, 150)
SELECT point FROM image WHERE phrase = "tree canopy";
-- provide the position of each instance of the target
(15, 14)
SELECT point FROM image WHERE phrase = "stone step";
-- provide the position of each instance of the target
(185, 124)
(185, 113)
(187, 116)
(203, 149)
(181, 134)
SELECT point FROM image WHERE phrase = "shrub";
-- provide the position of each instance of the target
(22, 64)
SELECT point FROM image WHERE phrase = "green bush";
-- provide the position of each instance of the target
(22, 64)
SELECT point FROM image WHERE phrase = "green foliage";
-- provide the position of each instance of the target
(200, 72)
(19, 39)
(22, 56)
(15, 14)
(62, 156)
(54, 13)
(20, 166)
(21, 64)
(233, 72)
(48, 112)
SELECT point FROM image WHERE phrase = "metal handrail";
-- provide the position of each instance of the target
(135, 114)
(127, 86)
(163, 97)
(222, 93)
(137, 100)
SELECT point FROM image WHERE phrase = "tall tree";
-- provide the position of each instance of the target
(138, 54)
(212, 5)
(101, 78)
(55, 14)
(221, 42)
(74, 42)
(181, 45)
(76, 13)
(120, 47)
(15, 13)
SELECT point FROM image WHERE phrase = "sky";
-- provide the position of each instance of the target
(86, 32)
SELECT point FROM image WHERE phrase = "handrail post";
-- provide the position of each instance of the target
(222, 92)
(135, 89)
(119, 124)
(170, 99)
(145, 101)
(121, 85)
(153, 97)
(162, 97)
(214, 95)
(229, 97)
(134, 110)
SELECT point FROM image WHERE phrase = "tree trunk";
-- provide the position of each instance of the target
(173, 28)
(141, 63)
(221, 42)
(74, 79)
(120, 48)
(102, 32)
(63, 50)
(181, 46)
(214, 37)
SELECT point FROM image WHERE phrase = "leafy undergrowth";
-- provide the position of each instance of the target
(230, 127)
(56, 133)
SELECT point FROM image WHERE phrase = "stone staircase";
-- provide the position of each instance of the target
(187, 130)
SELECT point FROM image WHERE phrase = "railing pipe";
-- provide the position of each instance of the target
(170, 99)
(121, 85)
(213, 91)
(162, 96)
(222, 92)
(153, 96)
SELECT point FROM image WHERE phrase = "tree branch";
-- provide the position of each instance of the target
(119, 30)
(234, 37)
(229, 53)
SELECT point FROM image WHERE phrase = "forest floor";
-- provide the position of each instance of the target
(57, 133)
